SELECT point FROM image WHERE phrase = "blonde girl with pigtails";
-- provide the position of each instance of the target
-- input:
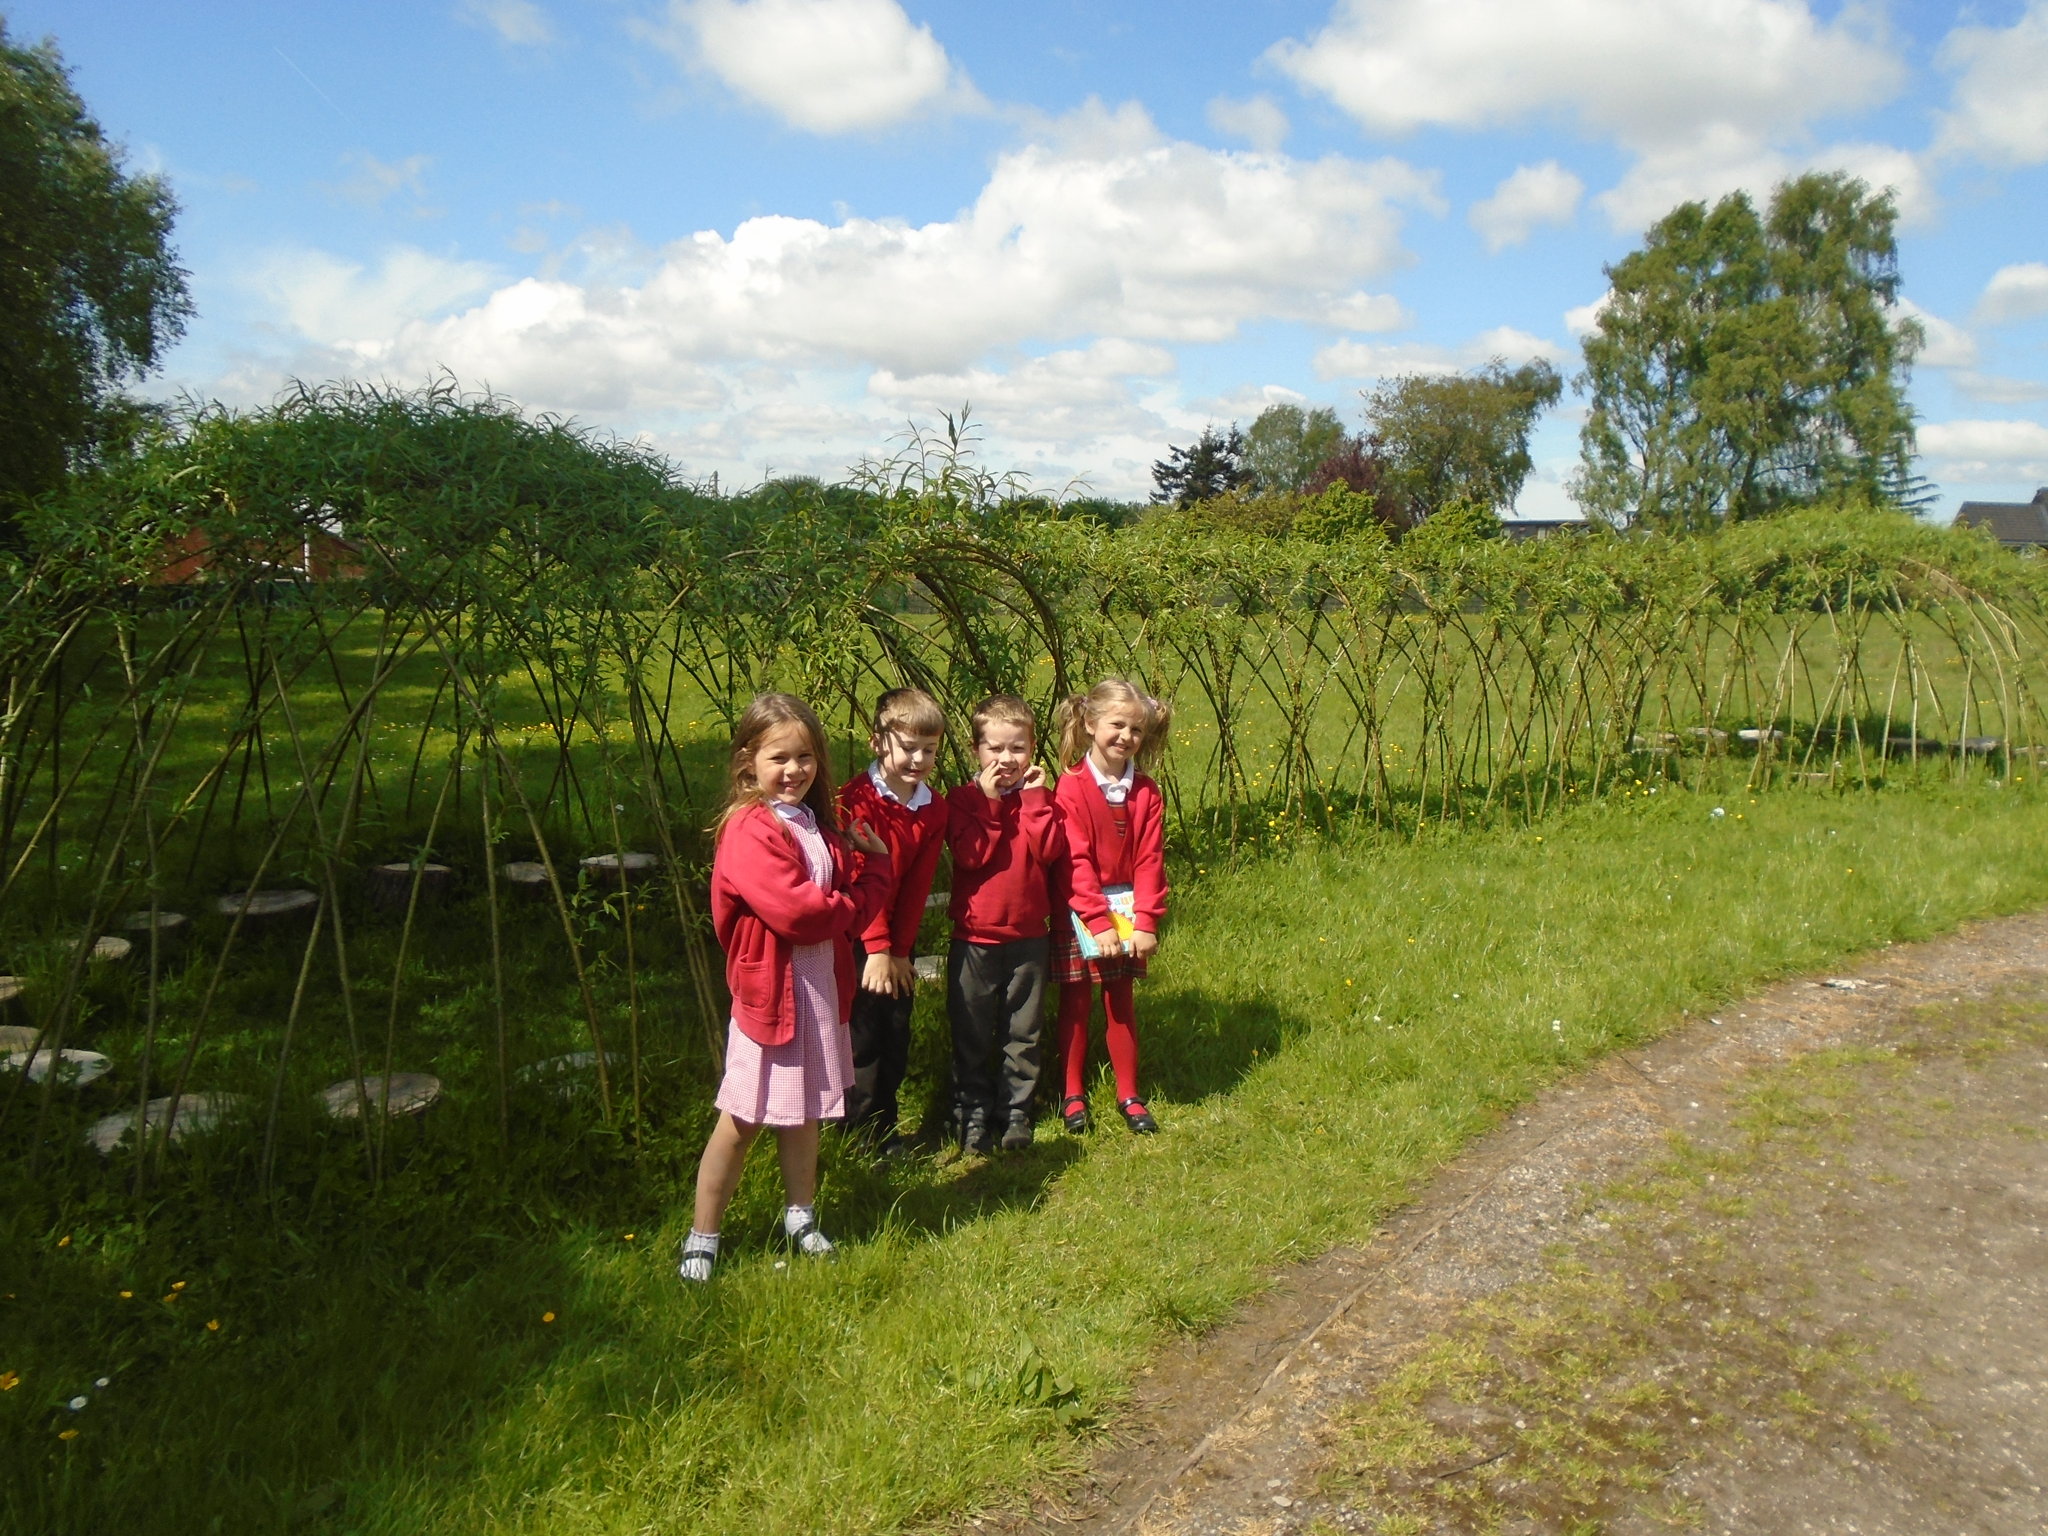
(1112, 885)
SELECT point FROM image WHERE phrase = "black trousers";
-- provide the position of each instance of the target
(995, 997)
(881, 1055)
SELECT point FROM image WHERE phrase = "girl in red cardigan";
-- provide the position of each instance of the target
(785, 901)
(1116, 879)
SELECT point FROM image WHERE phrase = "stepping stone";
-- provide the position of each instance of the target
(10, 988)
(1707, 733)
(18, 1037)
(390, 885)
(1758, 734)
(1654, 740)
(74, 1068)
(617, 869)
(186, 1116)
(1980, 746)
(265, 907)
(528, 877)
(1903, 746)
(171, 927)
(410, 1094)
(110, 949)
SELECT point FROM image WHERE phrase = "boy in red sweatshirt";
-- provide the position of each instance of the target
(1006, 837)
(892, 797)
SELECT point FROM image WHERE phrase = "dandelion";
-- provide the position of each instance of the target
(67, 1434)
(213, 1325)
(177, 1285)
(629, 1237)
(547, 1317)
(127, 1295)
(9, 1380)
(64, 1241)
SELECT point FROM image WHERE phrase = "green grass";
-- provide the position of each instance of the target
(1327, 1024)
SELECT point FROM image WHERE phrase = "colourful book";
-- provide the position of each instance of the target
(1123, 911)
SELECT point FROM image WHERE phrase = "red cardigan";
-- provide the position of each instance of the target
(1004, 853)
(915, 839)
(763, 905)
(1098, 857)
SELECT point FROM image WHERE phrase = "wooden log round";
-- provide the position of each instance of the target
(617, 869)
(527, 877)
(1912, 746)
(404, 1093)
(390, 886)
(170, 927)
(1980, 746)
(267, 908)
(110, 949)
(177, 1117)
(18, 1037)
(10, 988)
(1759, 735)
(74, 1068)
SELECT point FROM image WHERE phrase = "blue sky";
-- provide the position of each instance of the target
(766, 234)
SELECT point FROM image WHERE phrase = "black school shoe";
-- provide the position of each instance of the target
(1074, 1114)
(1017, 1134)
(1138, 1117)
(971, 1127)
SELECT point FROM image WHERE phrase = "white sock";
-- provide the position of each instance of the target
(795, 1219)
(700, 1253)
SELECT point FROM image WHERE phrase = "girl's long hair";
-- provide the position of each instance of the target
(764, 714)
(1079, 712)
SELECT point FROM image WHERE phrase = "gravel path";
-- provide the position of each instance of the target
(1840, 1330)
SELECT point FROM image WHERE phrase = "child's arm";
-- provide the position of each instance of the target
(974, 827)
(913, 888)
(1086, 898)
(770, 876)
(1043, 827)
(1148, 861)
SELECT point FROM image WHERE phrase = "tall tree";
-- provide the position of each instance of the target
(1212, 465)
(1746, 362)
(90, 294)
(1285, 447)
(1460, 437)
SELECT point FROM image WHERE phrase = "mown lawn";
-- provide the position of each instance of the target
(496, 1340)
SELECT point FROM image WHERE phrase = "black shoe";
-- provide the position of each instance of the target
(1074, 1112)
(972, 1126)
(1138, 1117)
(1017, 1134)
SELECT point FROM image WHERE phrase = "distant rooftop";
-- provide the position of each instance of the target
(1540, 527)
(2015, 524)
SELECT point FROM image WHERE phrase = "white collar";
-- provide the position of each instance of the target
(1115, 790)
(801, 815)
(920, 797)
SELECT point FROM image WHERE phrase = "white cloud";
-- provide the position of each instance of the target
(1727, 157)
(2017, 292)
(1997, 388)
(1348, 359)
(825, 66)
(1947, 344)
(1581, 319)
(1048, 303)
(1643, 71)
(1258, 121)
(375, 182)
(1987, 450)
(1532, 195)
(519, 22)
(1999, 112)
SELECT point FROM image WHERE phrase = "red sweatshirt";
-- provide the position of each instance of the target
(763, 905)
(915, 839)
(1004, 852)
(1097, 856)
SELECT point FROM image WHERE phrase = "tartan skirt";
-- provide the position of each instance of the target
(1064, 963)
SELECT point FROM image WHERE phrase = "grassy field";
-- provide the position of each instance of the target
(492, 1338)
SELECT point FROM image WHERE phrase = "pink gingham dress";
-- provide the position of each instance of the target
(807, 1077)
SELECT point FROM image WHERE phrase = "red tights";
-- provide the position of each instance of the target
(1120, 1033)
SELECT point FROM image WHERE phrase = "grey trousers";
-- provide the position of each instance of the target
(995, 997)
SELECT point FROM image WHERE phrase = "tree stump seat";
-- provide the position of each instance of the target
(176, 1116)
(403, 1093)
(169, 927)
(74, 1068)
(266, 909)
(390, 886)
(526, 877)
(620, 869)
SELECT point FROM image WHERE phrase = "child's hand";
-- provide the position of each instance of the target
(1034, 778)
(1144, 945)
(879, 975)
(906, 975)
(986, 781)
(1108, 943)
(862, 836)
